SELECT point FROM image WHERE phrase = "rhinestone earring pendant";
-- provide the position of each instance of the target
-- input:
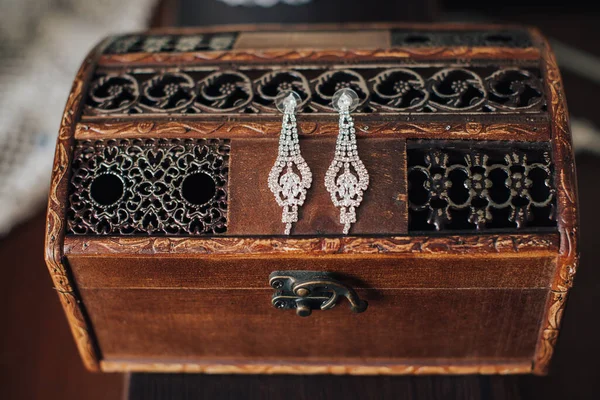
(347, 178)
(290, 177)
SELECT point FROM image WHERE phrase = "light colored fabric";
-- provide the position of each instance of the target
(42, 43)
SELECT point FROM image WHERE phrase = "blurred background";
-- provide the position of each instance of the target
(42, 43)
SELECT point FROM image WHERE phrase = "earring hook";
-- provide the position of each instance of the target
(287, 101)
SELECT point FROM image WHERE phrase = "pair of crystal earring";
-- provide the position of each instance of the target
(345, 180)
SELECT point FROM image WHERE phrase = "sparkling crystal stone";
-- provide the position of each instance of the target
(347, 178)
(290, 176)
(345, 99)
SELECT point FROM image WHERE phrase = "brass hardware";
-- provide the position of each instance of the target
(308, 290)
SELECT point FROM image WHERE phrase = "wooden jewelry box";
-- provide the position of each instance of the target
(166, 246)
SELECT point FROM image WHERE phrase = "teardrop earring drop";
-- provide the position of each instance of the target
(347, 178)
(290, 177)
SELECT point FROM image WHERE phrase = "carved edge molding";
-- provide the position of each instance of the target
(549, 331)
(284, 55)
(239, 246)
(432, 130)
(568, 224)
(279, 368)
(55, 226)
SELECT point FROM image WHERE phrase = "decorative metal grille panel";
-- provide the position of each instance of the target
(498, 38)
(251, 90)
(149, 186)
(171, 43)
(469, 185)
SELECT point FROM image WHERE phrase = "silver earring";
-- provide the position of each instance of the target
(290, 177)
(347, 178)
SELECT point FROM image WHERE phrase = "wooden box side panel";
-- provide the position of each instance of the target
(59, 270)
(567, 208)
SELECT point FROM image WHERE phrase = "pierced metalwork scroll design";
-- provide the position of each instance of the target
(165, 43)
(149, 187)
(480, 186)
(247, 90)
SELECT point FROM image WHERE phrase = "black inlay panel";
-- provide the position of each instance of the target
(478, 185)
(491, 38)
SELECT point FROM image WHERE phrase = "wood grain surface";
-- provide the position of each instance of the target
(253, 210)
(527, 270)
(401, 326)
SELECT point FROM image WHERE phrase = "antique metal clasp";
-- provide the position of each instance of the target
(309, 290)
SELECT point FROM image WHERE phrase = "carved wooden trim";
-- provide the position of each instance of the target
(55, 219)
(414, 130)
(286, 55)
(239, 246)
(549, 331)
(566, 184)
(308, 369)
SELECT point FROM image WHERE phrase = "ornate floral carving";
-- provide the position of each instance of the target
(566, 193)
(169, 91)
(456, 89)
(399, 88)
(550, 330)
(514, 88)
(401, 245)
(479, 185)
(112, 93)
(225, 91)
(329, 82)
(415, 90)
(149, 186)
(417, 129)
(271, 84)
(403, 54)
